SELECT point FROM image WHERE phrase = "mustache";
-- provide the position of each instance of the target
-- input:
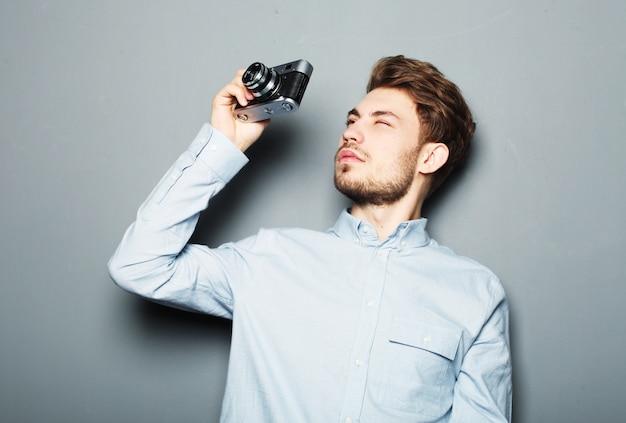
(354, 147)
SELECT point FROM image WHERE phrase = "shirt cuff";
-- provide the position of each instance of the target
(216, 151)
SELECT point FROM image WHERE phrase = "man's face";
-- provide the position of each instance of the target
(377, 157)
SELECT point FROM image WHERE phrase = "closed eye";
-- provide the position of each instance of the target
(385, 117)
(353, 116)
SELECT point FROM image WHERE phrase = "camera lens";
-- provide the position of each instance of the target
(262, 81)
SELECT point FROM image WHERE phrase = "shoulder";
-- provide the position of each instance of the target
(465, 270)
(275, 239)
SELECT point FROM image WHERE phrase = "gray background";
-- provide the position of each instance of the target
(99, 98)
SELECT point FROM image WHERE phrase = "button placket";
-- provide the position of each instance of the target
(368, 321)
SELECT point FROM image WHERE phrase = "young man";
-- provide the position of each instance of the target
(372, 321)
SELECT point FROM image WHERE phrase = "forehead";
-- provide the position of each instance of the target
(388, 100)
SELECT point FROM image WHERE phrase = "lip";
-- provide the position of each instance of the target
(348, 156)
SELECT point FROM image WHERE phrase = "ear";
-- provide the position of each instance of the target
(432, 156)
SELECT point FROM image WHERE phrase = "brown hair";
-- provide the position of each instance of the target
(442, 112)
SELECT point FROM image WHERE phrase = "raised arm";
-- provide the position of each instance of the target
(154, 259)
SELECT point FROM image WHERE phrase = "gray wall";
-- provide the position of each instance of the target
(98, 98)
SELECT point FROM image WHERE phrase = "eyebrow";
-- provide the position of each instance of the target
(377, 113)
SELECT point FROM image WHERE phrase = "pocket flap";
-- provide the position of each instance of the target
(436, 339)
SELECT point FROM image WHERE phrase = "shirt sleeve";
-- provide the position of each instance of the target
(154, 259)
(483, 390)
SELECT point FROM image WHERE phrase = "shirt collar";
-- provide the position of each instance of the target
(410, 234)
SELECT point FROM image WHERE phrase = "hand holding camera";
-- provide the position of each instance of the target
(242, 109)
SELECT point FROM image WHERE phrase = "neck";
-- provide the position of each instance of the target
(386, 218)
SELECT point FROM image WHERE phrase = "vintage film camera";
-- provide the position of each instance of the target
(277, 91)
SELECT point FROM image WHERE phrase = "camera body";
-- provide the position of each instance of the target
(277, 90)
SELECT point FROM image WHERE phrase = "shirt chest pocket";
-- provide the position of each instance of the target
(419, 376)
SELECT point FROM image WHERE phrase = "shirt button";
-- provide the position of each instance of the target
(202, 140)
(348, 420)
(403, 243)
(358, 363)
(370, 303)
(379, 253)
(213, 147)
(366, 229)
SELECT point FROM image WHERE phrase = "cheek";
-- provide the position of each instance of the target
(387, 154)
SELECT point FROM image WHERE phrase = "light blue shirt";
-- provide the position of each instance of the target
(327, 327)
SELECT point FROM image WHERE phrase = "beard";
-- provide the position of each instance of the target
(390, 186)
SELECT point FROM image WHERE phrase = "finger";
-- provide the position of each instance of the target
(238, 81)
(240, 93)
(229, 93)
(234, 92)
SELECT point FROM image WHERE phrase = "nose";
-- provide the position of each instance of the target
(352, 134)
